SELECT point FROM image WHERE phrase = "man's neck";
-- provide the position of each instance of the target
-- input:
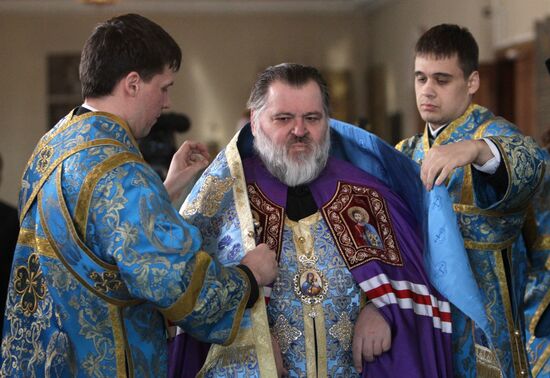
(89, 107)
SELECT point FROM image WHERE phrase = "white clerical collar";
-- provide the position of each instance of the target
(89, 107)
(436, 132)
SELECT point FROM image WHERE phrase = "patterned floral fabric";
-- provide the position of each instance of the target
(316, 298)
(536, 233)
(491, 225)
(102, 259)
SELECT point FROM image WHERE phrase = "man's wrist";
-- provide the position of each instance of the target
(254, 288)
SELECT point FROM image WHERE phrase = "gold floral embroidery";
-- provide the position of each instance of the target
(209, 198)
(29, 283)
(107, 281)
(44, 157)
(285, 333)
(342, 331)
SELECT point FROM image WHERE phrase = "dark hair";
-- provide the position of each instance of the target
(446, 40)
(121, 45)
(290, 73)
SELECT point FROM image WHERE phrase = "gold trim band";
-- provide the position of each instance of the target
(90, 182)
(184, 305)
(28, 238)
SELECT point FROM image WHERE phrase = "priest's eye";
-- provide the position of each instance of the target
(421, 79)
(313, 119)
(283, 119)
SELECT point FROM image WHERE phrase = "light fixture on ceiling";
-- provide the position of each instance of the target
(99, 2)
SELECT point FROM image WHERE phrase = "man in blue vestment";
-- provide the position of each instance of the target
(491, 171)
(293, 179)
(103, 259)
(536, 232)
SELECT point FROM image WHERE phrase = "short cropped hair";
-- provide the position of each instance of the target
(121, 45)
(292, 74)
(446, 40)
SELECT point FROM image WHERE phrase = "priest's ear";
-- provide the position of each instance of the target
(131, 83)
(473, 83)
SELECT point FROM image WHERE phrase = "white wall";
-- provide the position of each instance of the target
(514, 20)
(221, 56)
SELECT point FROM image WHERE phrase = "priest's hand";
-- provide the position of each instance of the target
(188, 160)
(281, 371)
(263, 264)
(371, 336)
(441, 160)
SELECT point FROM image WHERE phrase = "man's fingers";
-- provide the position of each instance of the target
(357, 346)
(368, 348)
(442, 176)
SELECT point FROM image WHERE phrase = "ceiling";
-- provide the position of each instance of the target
(185, 6)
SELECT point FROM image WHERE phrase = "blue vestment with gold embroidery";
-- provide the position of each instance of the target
(491, 226)
(536, 233)
(327, 266)
(103, 259)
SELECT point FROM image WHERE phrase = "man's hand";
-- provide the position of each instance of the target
(371, 336)
(263, 264)
(441, 160)
(188, 160)
(281, 371)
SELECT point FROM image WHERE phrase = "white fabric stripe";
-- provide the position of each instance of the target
(381, 279)
(267, 291)
(409, 303)
(419, 309)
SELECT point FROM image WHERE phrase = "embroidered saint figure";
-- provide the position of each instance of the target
(365, 231)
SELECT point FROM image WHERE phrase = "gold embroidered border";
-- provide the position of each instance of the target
(117, 302)
(352, 254)
(77, 119)
(508, 165)
(258, 313)
(467, 189)
(473, 210)
(72, 230)
(59, 160)
(426, 141)
(28, 238)
(309, 336)
(399, 146)
(468, 185)
(316, 361)
(240, 312)
(538, 313)
(184, 305)
(543, 358)
(542, 243)
(240, 350)
(90, 182)
(48, 138)
(487, 365)
(118, 336)
(66, 125)
(471, 244)
(274, 216)
(519, 358)
(445, 134)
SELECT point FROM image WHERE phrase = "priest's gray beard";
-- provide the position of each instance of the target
(301, 169)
